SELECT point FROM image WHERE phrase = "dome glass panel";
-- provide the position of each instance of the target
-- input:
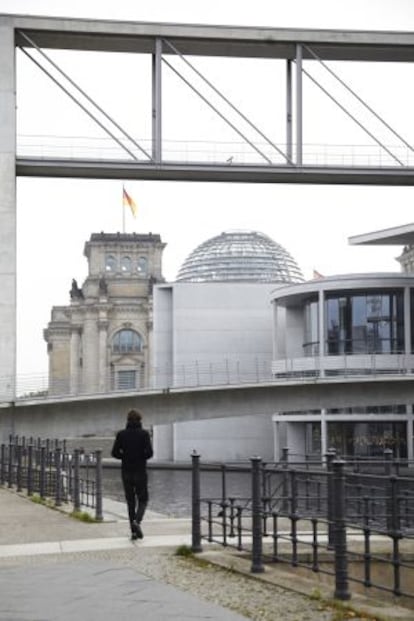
(240, 256)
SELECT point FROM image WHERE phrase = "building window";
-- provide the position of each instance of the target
(142, 265)
(110, 263)
(311, 344)
(368, 439)
(126, 264)
(368, 323)
(126, 341)
(127, 380)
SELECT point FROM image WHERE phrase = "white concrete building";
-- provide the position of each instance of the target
(214, 326)
(341, 326)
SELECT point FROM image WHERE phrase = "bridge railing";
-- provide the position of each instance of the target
(228, 153)
(46, 469)
(356, 527)
(217, 372)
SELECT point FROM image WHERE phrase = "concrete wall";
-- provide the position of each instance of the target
(7, 212)
(206, 330)
(294, 332)
(162, 339)
(163, 442)
(216, 320)
(213, 330)
(104, 415)
(234, 439)
(296, 440)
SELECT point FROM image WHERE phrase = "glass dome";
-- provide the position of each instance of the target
(240, 256)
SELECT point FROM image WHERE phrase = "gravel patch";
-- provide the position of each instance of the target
(251, 598)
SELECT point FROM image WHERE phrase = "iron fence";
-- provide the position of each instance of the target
(46, 468)
(330, 518)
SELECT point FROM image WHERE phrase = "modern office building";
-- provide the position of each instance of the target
(343, 326)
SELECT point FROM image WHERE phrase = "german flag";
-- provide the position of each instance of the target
(128, 201)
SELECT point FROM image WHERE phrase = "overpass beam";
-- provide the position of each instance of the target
(299, 106)
(7, 212)
(156, 102)
(289, 148)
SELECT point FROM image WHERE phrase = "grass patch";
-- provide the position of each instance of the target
(184, 550)
(46, 502)
(83, 516)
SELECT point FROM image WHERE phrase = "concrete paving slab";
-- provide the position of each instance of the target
(101, 590)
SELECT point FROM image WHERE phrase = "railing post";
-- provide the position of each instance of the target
(195, 503)
(2, 464)
(388, 458)
(257, 560)
(393, 505)
(58, 477)
(30, 470)
(339, 531)
(293, 515)
(98, 485)
(389, 508)
(10, 465)
(76, 486)
(285, 480)
(42, 476)
(19, 453)
(330, 456)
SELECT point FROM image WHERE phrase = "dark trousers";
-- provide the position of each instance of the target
(136, 494)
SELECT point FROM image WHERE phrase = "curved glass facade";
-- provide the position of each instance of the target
(364, 323)
(357, 323)
(240, 256)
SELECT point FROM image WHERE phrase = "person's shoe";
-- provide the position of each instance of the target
(138, 530)
(134, 531)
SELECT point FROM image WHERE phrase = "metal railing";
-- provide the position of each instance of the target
(219, 372)
(46, 468)
(324, 517)
(228, 153)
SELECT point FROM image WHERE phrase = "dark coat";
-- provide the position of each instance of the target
(133, 446)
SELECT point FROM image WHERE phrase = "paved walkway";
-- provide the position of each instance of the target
(54, 568)
(87, 589)
(28, 528)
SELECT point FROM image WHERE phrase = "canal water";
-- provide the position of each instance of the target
(170, 490)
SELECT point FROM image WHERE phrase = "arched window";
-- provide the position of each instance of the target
(126, 341)
(142, 265)
(126, 264)
(110, 263)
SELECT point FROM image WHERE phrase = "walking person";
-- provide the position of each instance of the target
(133, 446)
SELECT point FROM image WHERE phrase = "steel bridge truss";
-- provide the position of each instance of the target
(274, 162)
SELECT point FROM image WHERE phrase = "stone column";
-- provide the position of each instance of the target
(90, 368)
(147, 375)
(102, 355)
(324, 434)
(321, 322)
(410, 432)
(7, 210)
(75, 356)
(407, 320)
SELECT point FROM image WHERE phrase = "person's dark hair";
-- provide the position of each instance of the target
(134, 417)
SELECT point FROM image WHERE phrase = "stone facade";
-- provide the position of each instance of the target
(406, 259)
(102, 340)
